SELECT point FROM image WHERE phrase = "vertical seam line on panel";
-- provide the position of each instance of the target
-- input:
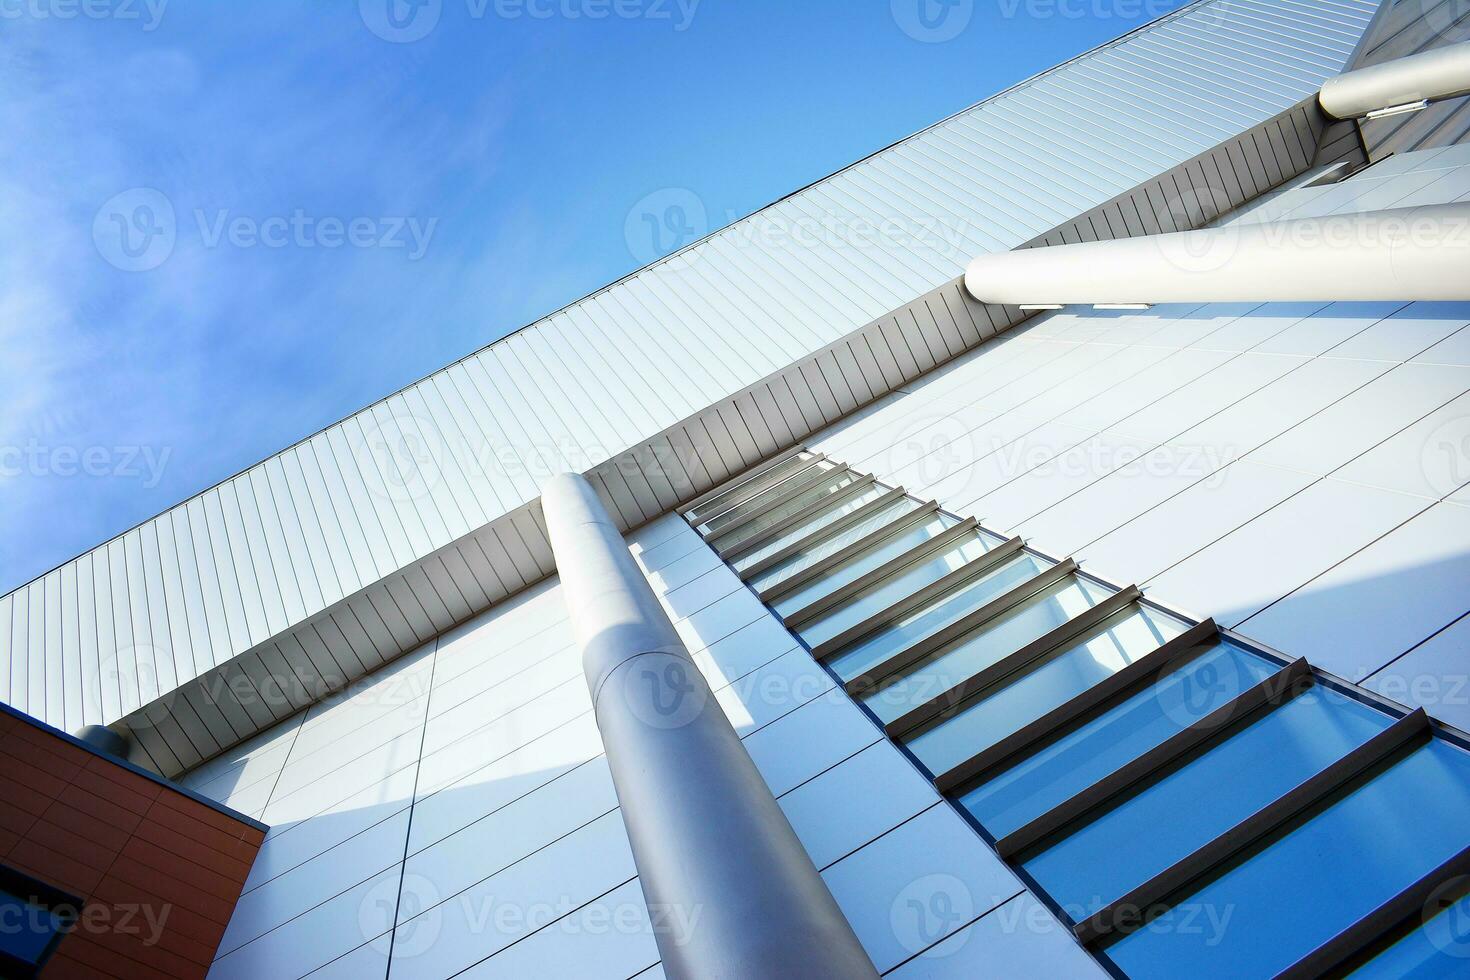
(412, 806)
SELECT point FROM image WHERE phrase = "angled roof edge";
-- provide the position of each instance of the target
(1004, 173)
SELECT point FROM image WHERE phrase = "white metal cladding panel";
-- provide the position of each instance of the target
(471, 770)
(234, 567)
(1295, 470)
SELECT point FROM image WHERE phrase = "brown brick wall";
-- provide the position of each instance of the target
(158, 871)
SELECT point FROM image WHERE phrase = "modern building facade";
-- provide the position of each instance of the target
(1101, 611)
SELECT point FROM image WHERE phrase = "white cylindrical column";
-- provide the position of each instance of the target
(1403, 254)
(710, 842)
(1441, 73)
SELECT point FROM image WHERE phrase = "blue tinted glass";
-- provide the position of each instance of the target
(868, 653)
(1044, 687)
(1440, 948)
(1199, 801)
(903, 583)
(1265, 914)
(25, 929)
(986, 646)
(820, 550)
(850, 571)
(811, 526)
(1106, 743)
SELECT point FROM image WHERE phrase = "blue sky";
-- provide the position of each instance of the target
(227, 225)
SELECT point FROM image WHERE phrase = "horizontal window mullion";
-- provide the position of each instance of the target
(1146, 670)
(1407, 906)
(1128, 912)
(946, 701)
(918, 600)
(883, 573)
(796, 518)
(806, 576)
(868, 681)
(782, 493)
(823, 533)
(710, 496)
(1269, 692)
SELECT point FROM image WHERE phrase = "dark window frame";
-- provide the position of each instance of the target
(38, 894)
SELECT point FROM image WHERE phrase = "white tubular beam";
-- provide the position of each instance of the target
(1404, 254)
(1428, 76)
(711, 844)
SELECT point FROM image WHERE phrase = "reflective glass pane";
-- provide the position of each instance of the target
(748, 489)
(1267, 912)
(1045, 686)
(986, 646)
(1147, 833)
(772, 516)
(902, 583)
(855, 568)
(873, 650)
(25, 929)
(1440, 948)
(1065, 767)
(811, 526)
(821, 550)
(728, 517)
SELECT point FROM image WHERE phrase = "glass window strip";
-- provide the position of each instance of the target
(1031, 818)
(837, 545)
(868, 665)
(745, 511)
(1299, 890)
(748, 533)
(1034, 737)
(811, 522)
(732, 492)
(1057, 650)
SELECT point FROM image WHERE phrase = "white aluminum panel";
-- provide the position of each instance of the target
(1433, 676)
(1381, 601)
(564, 393)
(610, 938)
(809, 741)
(512, 904)
(1018, 939)
(1282, 549)
(855, 803)
(921, 882)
